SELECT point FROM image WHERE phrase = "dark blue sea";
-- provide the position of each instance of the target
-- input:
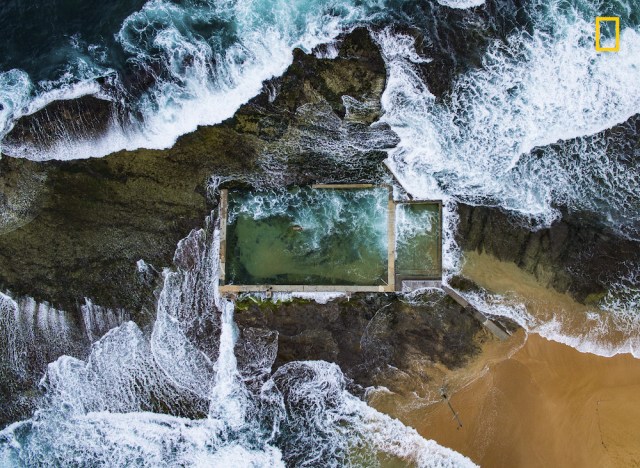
(498, 102)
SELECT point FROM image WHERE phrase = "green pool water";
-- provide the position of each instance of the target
(306, 236)
(418, 241)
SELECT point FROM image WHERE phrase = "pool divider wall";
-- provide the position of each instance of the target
(393, 284)
(224, 201)
(391, 246)
(440, 234)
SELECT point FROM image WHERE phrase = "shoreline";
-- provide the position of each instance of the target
(551, 314)
(543, 404)
(546, 405)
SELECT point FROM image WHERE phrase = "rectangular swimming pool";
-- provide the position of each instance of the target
(308, 236)
(418, 241)
(327, 238)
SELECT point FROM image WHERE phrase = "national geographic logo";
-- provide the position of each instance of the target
(616, 23)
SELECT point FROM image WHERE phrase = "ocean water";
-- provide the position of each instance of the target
(164, 399)
(523, 126)
(173, 64)
(535, 87)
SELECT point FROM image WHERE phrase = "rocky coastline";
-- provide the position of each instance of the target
(79, 229)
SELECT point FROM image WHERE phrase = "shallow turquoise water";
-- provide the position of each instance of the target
(418, 241)
(308, 237)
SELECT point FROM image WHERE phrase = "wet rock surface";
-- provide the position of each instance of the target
(575, 255)
(375, 339)
(89, 221)
(84, 118)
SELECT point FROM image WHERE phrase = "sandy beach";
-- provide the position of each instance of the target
(541, 403)
(548, 405)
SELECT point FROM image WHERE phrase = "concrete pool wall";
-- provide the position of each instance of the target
(389, 282)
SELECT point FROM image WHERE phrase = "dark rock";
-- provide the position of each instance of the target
(463, 284)
(87, 222)
(576, 254)
(76, 229)
(84, 118)
(455, 40)
(375, 339)
(586, 250)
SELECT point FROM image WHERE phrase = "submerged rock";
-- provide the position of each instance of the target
(576, 254)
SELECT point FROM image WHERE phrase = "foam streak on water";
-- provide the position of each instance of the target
(531, 91)
(205, 59)
(176, 398)
(33, 333)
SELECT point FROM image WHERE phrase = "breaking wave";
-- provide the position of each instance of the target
(177, 397)
(534, 88)
(203, 59)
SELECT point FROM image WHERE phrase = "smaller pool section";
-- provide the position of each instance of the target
(308, 236)
(418, 241)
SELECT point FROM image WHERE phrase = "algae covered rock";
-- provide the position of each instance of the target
(75, 229)
(376, 339)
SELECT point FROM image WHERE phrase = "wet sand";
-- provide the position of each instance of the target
(546, 405)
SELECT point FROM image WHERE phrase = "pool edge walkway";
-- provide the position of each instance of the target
(391, 243)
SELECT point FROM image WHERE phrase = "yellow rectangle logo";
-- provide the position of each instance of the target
(614, 19)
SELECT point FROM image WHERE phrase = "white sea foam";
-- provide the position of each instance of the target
(474, 145)
(19, 96)
(320, 212)
(97, 320)
(623, 299)
(451, 258)
(97, 411)
(461, 3)
(34, 333)
(197, 80)
(532, 91)
(410, 224)
(319, 297)
(15, 89)
(599, 331)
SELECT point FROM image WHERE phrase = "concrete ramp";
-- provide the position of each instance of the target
(486, 322)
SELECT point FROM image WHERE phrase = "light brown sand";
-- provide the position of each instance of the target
(547, 405)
